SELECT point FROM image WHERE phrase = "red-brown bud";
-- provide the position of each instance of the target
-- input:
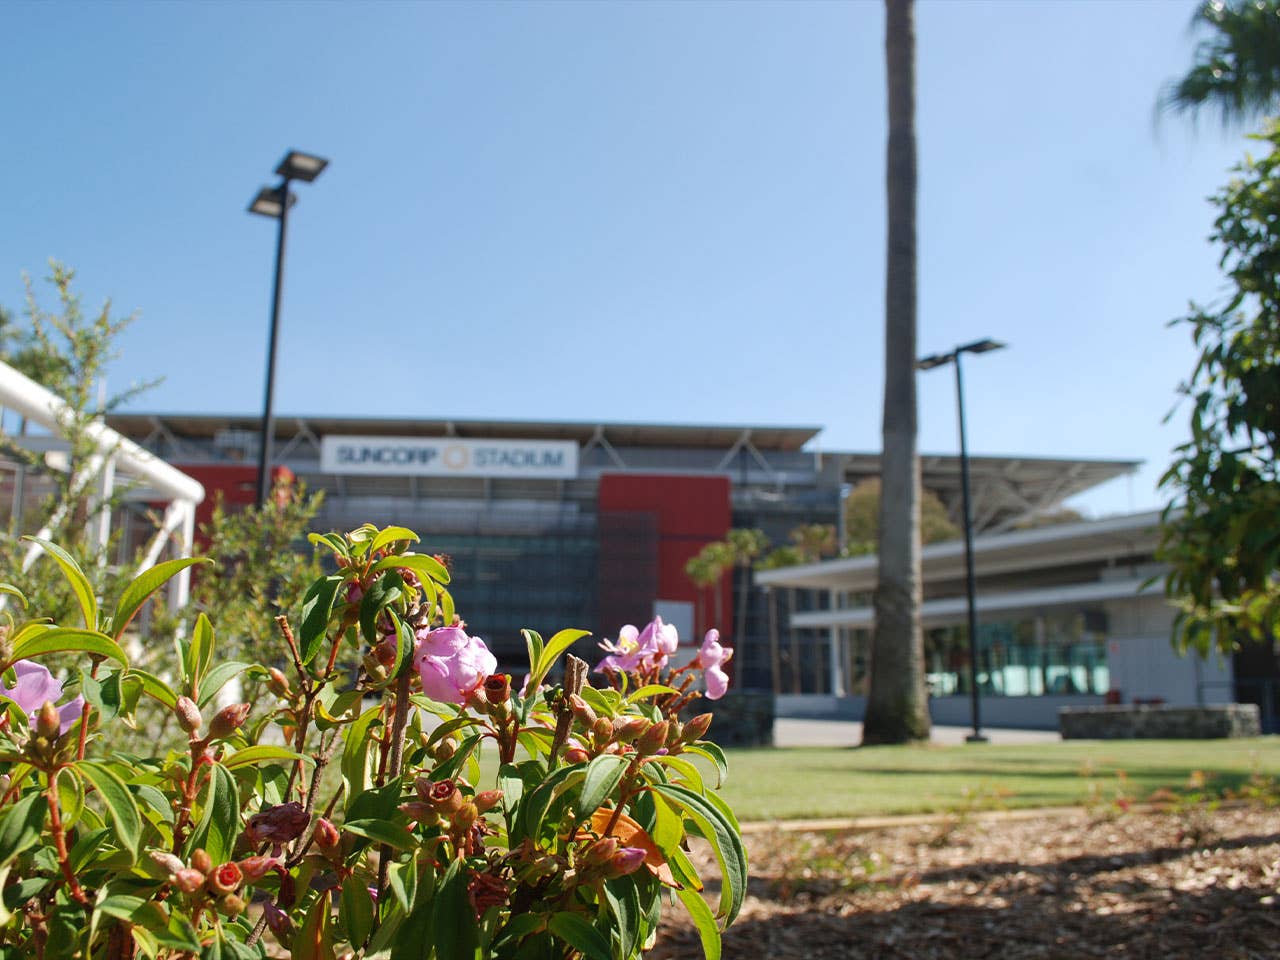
(653, 739)
(327, 836)
(582, 710)
(696, 728)
(278, 683)
(200, 860)
(420, 811)
(48, 723)
(626, 729)
(278, 824)
(166, 861)
(576, 755)
(188, 880)
(466, 815)
(188, 714)
(599, 852)
(602, 730)
(255, 868)
(497, 688)
(226, 879)
(231, 905)
(228, 720)
(487, 800)
(445, 797)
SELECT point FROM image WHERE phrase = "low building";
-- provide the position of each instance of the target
(1068, 615)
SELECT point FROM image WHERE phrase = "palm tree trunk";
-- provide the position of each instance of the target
(775, 658)
(740, 624)
(897, 707)
(795, 641)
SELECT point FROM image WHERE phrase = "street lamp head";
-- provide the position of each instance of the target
(934, 360)
(981, 346)
(297, 165)
(270, 202)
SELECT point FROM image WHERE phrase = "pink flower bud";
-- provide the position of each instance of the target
(626, 729)
(278, 921)
(327, 837)
(188, 880)
(201, 860)
(487, 800)
(47, 720)
(626, 860)
(188, 714)
(599, 851)
(576, 755)
(696, 728)
(278, 683)
(166, 861)
(581, 710)
(420, 811)
(228, 720)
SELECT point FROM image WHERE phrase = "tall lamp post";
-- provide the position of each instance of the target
(274, 202)
(928, 363)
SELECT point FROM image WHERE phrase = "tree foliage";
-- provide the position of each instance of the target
(1237, 67)
(862, 519)
(1221, 536)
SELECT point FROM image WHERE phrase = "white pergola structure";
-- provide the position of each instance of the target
(114, 457)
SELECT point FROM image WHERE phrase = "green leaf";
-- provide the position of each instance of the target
(415, 937)
(317, 608)
(420, 563)
(604, 773)
(67, 640)
(217, 678)
(201, 652)
(384, 591)
(21, 825)
(702, 918)
(389, 535)
(143, 586)
(154, 687)
(382, 831)
(331, 540)
(725, 842)
(557, 645)
(355, 753)
(453, 920)
(121, 806)
(220, 816)
(712, 751)
(623, 899)
(256, 754)
(13, 591)
(651, 690)
(402, 878)
(577, 931)
(103, 695)
(356, 910)
(313, 940)
(533, 643)
(76, 578)
(688, 772)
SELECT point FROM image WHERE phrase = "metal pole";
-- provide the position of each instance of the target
(268, 420)
(975, 708)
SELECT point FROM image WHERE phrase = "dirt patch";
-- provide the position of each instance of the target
(1191, 883)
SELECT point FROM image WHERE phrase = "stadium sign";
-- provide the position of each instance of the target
(449, 457)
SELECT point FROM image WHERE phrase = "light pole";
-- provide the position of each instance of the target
(928, 363)
(274, 202)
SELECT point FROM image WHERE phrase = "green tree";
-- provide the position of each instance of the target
(897, 704)
(1237, 67)
(745, 546)
(67, 353)
(862, 519)
(1221, 537)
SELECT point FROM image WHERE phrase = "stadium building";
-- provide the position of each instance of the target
(553, 525)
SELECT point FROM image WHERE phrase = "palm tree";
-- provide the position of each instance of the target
(1237, 68)
(814, 541)
(897, 705)
(745, 545)
(699, 572)
(719, 557)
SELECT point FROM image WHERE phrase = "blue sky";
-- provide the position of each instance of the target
(668, 212)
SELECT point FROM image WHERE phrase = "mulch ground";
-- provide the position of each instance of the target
(1189, 883)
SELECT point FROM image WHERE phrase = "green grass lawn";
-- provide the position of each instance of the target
(793, 783)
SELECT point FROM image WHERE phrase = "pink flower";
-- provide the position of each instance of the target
(35, 687)
(640, 649)
(712, 655)
(451, 663)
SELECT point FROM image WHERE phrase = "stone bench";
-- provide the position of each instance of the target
(1158, 722)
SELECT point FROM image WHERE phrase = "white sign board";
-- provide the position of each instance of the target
(449, 457)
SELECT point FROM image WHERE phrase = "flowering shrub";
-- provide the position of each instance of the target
(343, 813)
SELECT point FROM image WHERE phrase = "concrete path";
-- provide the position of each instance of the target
(793, 732)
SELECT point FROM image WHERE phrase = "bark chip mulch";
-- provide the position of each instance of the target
(1191, 883)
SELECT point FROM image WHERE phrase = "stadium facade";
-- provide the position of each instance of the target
(551, 525)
